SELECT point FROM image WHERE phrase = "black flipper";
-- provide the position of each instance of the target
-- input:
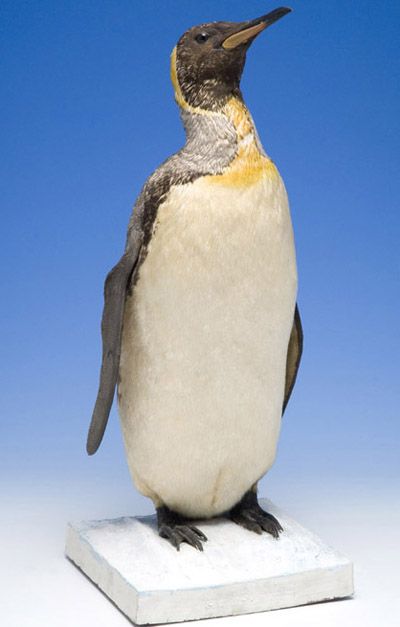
(295, 350)
(115, 288)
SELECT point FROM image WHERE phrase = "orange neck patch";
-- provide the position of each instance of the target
(249, 166)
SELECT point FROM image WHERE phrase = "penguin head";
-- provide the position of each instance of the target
(208, 61)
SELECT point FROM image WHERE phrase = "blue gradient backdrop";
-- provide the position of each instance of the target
(87, 113)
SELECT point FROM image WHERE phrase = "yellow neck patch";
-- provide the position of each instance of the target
(249, 166)
(174, 79)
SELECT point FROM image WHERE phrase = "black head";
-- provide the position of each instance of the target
(210, 59)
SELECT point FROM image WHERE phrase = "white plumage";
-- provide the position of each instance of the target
(204, 344)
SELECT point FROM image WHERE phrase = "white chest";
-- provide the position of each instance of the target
(204, 344)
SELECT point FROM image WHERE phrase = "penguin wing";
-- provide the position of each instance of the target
(295, 349)
(176, 170)
(115, 288)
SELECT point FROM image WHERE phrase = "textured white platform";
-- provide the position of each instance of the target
(237, 573)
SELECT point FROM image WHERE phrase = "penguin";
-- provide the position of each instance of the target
(201, 333)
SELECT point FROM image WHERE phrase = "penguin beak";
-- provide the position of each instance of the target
(247, 31)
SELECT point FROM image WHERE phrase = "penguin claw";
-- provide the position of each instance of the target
(271, 525)
(172, 527)
(191, 537)
(201, 535)
(166, 532)
(246, 522)
(177, 534)
(248, 514)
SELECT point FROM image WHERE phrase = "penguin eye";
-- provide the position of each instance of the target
(202, 37)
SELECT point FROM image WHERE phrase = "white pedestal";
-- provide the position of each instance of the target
(237, 573)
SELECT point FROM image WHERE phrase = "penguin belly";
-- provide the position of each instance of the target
(205, 337)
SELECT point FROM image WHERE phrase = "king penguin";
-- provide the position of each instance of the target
(201, 332)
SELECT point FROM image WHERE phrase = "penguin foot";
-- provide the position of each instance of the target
(248, 514)
(172, 527)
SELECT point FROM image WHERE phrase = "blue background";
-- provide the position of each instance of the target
(87, 113)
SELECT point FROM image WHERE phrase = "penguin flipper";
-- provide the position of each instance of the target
(295, 349)
(115, 288)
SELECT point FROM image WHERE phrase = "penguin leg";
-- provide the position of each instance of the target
(248, 514)
(176, 529)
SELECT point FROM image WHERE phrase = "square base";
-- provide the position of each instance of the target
(238, 572)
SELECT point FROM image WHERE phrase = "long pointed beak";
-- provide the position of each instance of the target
(248, 30)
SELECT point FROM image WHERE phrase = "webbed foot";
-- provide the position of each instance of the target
(248, 514)
(176, 529)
